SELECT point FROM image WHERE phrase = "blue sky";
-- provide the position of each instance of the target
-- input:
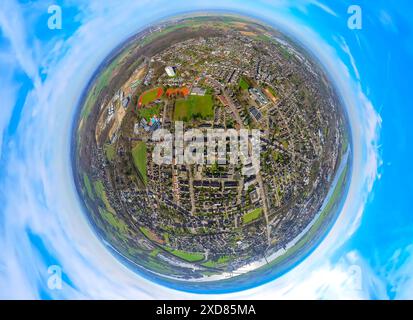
(368, 252)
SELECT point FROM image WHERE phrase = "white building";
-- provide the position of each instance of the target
(198, 91)
(170, 71)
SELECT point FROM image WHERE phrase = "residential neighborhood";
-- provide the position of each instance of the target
(215, 216)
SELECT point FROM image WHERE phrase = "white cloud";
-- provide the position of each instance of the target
(324, 7)
(397, 273)
(344, 46)
(14, 29)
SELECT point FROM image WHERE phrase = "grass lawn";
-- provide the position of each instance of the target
(264, 38)
(243, 84)
(114, 221)
(188, 256)
(150, 235)
(88, 186)
(166, 237)
(220, 261)
(150, 95)
(284, 143)
(194, 107)
(154, 253)
(90, 101)
(147, 113)
(336, 194)
(110, 151)
(272, 91)
(101, 193)
(252, 215)
(139, 159)
(108, 213)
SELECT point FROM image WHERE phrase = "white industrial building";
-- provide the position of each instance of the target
(170, 71)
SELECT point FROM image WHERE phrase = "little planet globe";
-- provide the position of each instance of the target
(255, 146)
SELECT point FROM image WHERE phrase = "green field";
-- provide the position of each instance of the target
(88, 186)
(252, 215)
(284, 143)
(272, 91)
(188, 256)
(114, 221)
(243, 84)
(108, 213)
(166, 237)
(276, 156)
(146, 232)
(265, 38)
(216, 263)
(194, 107)
(110, 151)
(90, 101)
(101, 193)
(139, 159)
(154, 253)
(150, 234)
(147, 113)
(150, 95)
(345, 144)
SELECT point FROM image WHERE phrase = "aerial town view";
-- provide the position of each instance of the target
(215, 218)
